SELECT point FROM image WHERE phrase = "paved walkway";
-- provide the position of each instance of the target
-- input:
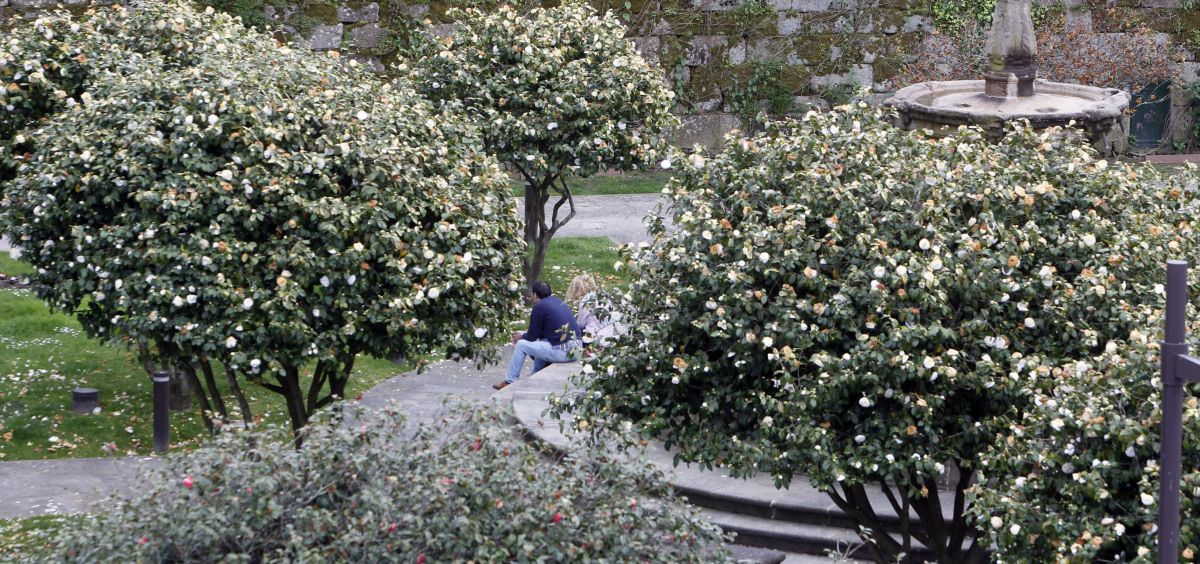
(66, 486)
(617, 217)
(5, 246)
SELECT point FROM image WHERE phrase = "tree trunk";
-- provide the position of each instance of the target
(950, 540)
(213, 390)
(535, 217)
(181, 392)
(243, 405)
(538, 232)
(289, 383)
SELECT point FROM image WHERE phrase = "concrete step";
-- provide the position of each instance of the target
(800, 519)
(795, 538)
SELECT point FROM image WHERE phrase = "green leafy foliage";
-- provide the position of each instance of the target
(863, 305)
(557, 91)
(363, 488)
(951, 15)
(764, 83)
(228, 200)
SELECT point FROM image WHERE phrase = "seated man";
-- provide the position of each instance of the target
(553, 335)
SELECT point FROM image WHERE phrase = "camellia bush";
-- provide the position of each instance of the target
(220, 202)
(364, 489)
(558, 93)
(1076, 478)
(872, 308)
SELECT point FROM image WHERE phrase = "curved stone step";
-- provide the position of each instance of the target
(798, 519)
(789, 537)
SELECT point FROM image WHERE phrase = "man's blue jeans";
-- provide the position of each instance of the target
(543, 354)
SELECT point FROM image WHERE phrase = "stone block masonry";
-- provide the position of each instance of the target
(721, 56)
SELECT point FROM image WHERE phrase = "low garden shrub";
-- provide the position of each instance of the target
(873, 308)
(363, 488)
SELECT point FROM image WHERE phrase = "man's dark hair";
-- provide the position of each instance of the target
(541, 289)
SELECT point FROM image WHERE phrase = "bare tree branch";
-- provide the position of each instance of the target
(567, 198)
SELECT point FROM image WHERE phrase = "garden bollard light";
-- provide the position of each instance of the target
(85, 400)
(1177, 368)
(162, 411)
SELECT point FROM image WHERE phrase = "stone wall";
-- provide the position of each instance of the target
(729, 59)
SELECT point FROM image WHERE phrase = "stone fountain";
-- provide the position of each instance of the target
(1010, 90)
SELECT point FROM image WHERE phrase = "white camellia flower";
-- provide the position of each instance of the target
(191, 298)
(879, 272)
(996, 522)
(1088, 239)
(231, 342)
(665, 164)
(177, 301)
(1015, 529)
(768, 342)
(434, 293)
(351, 279)
(552, 126)
(480, 332)
(860, 439)
(325, 281)
(864, 401)
(1147, 499)
(247, 303)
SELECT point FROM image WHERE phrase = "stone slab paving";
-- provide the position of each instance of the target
(618, 217)
(39, 487)
(6, 247)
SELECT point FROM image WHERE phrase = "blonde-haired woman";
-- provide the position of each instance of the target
(582, 294)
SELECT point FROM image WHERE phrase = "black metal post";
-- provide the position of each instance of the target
(1174, 347)
(162, 411)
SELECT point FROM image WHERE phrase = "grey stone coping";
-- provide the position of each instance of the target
(528, 398)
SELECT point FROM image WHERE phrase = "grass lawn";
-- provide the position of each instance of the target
(24, 537)
(44, 355)
(608, 184)
(571, 256)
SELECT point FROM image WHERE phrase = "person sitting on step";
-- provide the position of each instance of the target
(553, 335)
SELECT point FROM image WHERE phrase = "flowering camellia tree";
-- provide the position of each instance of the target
(227, 203)
(872, 308)
(1076, 477)
(558, 93)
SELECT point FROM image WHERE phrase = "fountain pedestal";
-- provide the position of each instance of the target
(1010, 91)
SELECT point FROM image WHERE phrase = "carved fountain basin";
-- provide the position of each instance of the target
(943, 106)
